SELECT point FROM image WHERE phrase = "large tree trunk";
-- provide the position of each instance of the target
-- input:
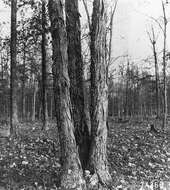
(13, 77)
(99, 94)
(44, 75)
(72, 176)
(75, 69)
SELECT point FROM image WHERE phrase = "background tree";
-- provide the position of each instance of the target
(13, 77)
(165, 108)
(153, 42)
(44, 57)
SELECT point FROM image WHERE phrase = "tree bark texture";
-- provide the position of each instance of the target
(13, 77)
(99, 94)
(75, 69)
(72, 176)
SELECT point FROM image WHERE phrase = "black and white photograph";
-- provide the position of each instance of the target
(84, 94)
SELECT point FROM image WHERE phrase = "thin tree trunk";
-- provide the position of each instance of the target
(153, 42)
(2, 77)
(127, 93)
(156, 80)
(13, 77)
(34, 102)
(44, 75)
(2, 67)
(111, 31)
(51, 107)
(99, 94)
(23, 100)
(165, 108)
(72, 175)
(23, 83)
(75, 69)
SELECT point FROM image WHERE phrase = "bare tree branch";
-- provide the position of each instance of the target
(111, 29)
(157, 23)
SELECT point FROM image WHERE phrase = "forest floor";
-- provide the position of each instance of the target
(138, 158)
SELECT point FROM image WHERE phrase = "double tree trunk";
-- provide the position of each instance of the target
(99, 94)
(75, 69)
(68, 46)
(72, 176)
(13, 77)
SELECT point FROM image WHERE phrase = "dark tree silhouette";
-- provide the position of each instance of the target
(75, 69)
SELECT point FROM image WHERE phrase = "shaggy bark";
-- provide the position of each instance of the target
(72, 176)
(75, 69)
(99, 94)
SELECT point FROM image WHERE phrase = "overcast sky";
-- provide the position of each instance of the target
(131, 21)
(4, 18)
